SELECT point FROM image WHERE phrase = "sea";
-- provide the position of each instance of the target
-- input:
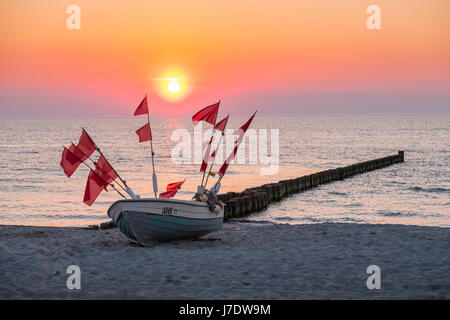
(35, 191)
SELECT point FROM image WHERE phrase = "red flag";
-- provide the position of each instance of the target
(144, 133)
(222, 124)
(142, 108)
(244, 127)
(77, 152)
(208, 114)
(69, 162)
(241, 131)
(86, 145)
(104, 169)
(172, 189)
(94, 187)
(168, 194)
(174, 185)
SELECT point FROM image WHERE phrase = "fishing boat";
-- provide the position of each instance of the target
(162, 218)
(149, 220)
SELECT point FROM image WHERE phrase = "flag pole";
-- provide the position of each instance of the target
(210, 141)
(118, 176)
(212, 163)
(154, 179)
(95, 163)
(112, 185)
(209, 144)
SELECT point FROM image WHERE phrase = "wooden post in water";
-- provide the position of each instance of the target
(282, 188)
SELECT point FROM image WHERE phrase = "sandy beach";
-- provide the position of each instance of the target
(241, 261)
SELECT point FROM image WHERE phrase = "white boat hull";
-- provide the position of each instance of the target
(149, 220)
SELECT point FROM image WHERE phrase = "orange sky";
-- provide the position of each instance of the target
(300, 53)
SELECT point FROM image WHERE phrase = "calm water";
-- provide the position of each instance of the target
(35, 191)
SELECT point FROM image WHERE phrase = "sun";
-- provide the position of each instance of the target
(173, 86)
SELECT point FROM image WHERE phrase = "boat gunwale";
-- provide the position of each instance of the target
(186, 202)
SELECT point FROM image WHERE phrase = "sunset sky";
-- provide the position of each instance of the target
(282, 57)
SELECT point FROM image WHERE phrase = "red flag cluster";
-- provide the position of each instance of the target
(103, 174)
(76, 154)
(209, 115)
(98, 179)
(171, 190)
(144, 133)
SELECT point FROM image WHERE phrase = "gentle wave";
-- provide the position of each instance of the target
(284, 219)
(395, 214)
(338, 193)
(63, 216)
(28, 169)
(430, 190)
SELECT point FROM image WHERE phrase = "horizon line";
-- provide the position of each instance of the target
(262, 115)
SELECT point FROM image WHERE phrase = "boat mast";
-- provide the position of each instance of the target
(212, 162)
(208, 151)
(154, 179)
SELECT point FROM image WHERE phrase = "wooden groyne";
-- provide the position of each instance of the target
(241, 204)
